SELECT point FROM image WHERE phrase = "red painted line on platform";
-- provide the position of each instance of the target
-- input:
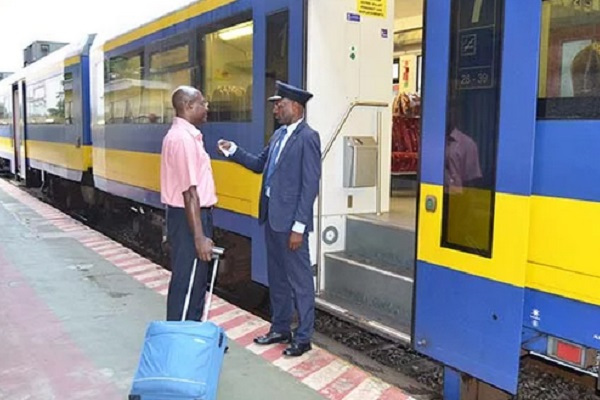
(342, 386)
(129, 255)
(394, 393)
(91, 240)
(151, 268)
(112, 251)
(237, 321)
(274, 353)
(108, 244)
(135, 262)
(317, 359)
(158, 277)
(222, 310)
(39, 359)
(248, 338)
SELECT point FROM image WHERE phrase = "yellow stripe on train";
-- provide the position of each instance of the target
(237, 188)
(65, 155)
(6, 145)
(193, 10)
(509, 241)
(564, 254)
(72, 61)
(544, 243)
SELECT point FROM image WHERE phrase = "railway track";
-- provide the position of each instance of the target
(391, 361)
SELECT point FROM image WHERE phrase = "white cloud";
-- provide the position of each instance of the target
(25, 21)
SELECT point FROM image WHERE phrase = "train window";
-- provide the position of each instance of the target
(472, 125)
(169, 69)
(569, 82)
(68, 88)
(123, 91)
(170, 58)
(277, 62)
(99, 76)
(5, 110)
(228, 72)
(46, 102)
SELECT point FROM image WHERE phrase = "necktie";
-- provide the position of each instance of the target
(271, 165)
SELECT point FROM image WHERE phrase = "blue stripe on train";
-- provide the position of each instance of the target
(562, 317)
(567, 162)
(468, 322)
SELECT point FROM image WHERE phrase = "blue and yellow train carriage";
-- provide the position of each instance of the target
(511, 261)
(233, 50)
(6, 122)
(57, 134)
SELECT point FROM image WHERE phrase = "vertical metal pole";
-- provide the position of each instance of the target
(379, 160)
(318, 235)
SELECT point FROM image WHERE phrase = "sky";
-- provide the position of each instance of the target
(25, 21)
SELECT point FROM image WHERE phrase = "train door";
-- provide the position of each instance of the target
(19, 130)
(481, 66)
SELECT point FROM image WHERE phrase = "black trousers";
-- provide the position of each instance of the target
(291, 284)
(183, 254)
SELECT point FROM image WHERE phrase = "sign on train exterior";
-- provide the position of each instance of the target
(372, 8)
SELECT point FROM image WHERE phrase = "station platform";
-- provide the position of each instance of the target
(74, 307)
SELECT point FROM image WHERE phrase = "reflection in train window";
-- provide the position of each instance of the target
(277, 62)
(472, 126)
(46, 102)
(168, 70)
(68, 86)
(228, 73)
(569, 79)
(123, 91)
(5, 110)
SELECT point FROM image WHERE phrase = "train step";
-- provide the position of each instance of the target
(390, 246)
(369, 290)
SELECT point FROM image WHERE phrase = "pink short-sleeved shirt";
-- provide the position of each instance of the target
(184, 162)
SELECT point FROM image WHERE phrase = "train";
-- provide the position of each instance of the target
(483, 250)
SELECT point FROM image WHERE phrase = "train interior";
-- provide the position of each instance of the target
(371, 281)
(406, 114)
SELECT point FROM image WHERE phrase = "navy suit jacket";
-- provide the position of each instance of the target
(295, 179)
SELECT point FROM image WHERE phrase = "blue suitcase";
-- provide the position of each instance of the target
(181, 360)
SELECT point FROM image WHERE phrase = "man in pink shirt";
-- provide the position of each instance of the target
(188, 191)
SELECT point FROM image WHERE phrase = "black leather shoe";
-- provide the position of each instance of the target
(297, 349)
(273, 337)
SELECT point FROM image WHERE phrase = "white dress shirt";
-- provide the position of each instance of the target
(298, 227)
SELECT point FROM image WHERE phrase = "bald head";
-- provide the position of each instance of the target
(183, 96)
(189, 104)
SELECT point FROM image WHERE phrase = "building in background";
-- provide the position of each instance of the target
(39, 49)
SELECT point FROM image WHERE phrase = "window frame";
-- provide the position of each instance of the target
(566, 108)
(202, 33)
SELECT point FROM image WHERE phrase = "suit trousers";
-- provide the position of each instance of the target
(291, 284)
(183, 254)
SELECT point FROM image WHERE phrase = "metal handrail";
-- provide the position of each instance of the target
(338, 130)
(332, 140)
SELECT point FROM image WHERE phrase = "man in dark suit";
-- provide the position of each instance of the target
(291, 167)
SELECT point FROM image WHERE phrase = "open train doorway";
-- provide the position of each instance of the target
(19, 129)
(406, 111)
(367, 68)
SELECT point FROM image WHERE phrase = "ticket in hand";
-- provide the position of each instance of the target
(223, 149)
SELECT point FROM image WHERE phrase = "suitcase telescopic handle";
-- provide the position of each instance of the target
(217, 253)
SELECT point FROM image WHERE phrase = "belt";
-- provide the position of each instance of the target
(209, 208)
